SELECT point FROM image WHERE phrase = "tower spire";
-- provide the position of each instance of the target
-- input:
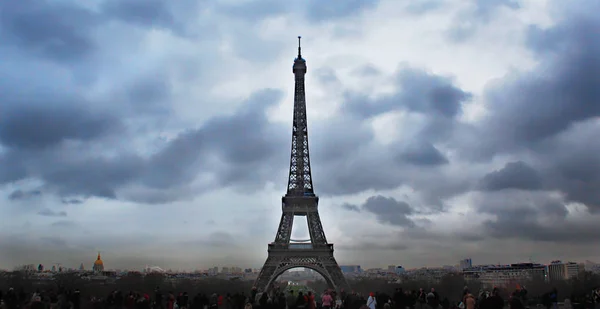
(300, 178)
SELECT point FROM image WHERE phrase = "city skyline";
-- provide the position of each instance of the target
(159, 133)
(467, 263)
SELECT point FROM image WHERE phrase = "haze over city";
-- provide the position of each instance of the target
(158, 132)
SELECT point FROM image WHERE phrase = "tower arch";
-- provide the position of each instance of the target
(319, 270)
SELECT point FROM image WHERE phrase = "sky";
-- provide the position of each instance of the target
(159, 132)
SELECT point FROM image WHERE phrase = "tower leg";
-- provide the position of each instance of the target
(284, 232)
(317, 235)
(335, 272)
(266, 274)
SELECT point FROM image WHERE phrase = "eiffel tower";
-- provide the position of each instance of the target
(300, 200)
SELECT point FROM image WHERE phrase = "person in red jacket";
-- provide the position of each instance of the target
(310, 300)
(171, 301)
(220, 301)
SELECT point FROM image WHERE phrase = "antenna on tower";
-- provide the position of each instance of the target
(299, 54)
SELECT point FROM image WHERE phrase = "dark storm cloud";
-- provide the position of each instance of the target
(386, 209)
(433, 99)
(149, 94)
(573, 168)
(47, 212)
(423, 154)
(72, 201)
(532, 215)
(56, 30)
(233, 148)
(92, 176)
(389, 210)
(350, 207)
(22, 195)
(25, 126)
(548, 113)
(418, 91)
(529, 108)
(514, 175)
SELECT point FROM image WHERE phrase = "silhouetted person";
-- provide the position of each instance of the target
(445, 303)
(398, 299)
(515, 302)
(37, 303)
(495, 301)
(300, 301)
(158, 298)
(291, 300)
(262, 302)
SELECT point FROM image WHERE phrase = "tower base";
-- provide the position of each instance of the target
(285, 257)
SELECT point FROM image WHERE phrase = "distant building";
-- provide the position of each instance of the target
(558, 270)
(27, 268)
(81, 267)
(153, 269)
(98, 264)
(213, 271)
(465, 263)
(505, 275)
(399, 270)
(350, 269)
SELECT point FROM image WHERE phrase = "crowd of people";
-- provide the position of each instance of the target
(286, 299)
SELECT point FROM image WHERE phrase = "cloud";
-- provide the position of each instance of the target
(351, 207)
(386, 209)
(72, 201)
(46, 32)
(532, 215)
(64, 224)
(514, 175)
(21, 195)
(51, 213)
(476, 15)
(423, 154)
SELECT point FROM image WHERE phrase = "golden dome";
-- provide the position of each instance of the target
(99, 260)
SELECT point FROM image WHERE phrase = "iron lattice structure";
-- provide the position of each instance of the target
(300, 200)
